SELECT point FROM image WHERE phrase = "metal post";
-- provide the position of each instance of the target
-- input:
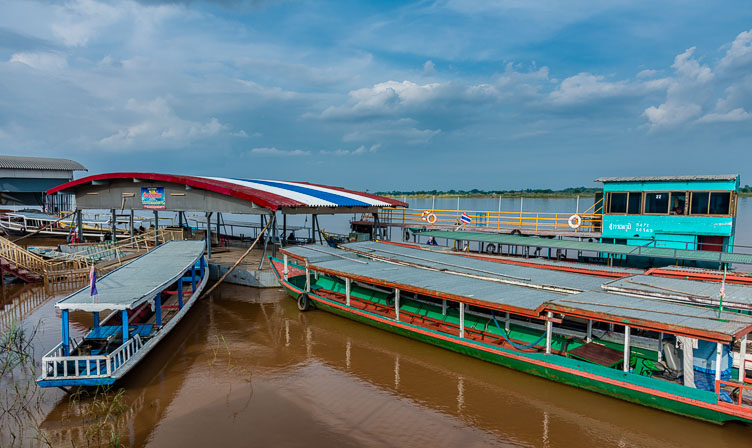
(180, 219)
(627, 348)
(124, 318)
(660, 346)
(180, 294)
(114, 225)
(132, 223)
(156, 228)
(347, 291)
(462, 314)
(397, 303)
(506, 323)
(284, 228)
(284, 258)
(95, 316)
(208, 234)
(443, 307)
(66, 337)
(201, 267)
(718, 357)
(742, 358)
(307, 279)
(158, 309)
(80, 225)
(549, 332)
(193, 279)
(589, 331)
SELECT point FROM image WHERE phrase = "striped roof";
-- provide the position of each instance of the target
(271, 194)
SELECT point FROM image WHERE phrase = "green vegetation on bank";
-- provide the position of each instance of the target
(475, 193)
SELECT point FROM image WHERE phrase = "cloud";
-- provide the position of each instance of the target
(49, 62)
(157, 126)
(585, 87)
(429, 68)
(362, 149)
(732, 116)
(739, 54)
(648, 73)
(274, 152)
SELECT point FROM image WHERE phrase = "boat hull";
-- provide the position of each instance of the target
(630, 387)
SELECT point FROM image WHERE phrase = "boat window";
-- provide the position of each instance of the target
(678, 201)
(700, 201)
(635, 203)
(657, 202)
(720, 203)
(617, 203)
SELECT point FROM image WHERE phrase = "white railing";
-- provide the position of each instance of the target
(58, 366)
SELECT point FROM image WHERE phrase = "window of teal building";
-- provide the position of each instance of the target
(657, 202)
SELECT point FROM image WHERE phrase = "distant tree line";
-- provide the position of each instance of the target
(571, 191)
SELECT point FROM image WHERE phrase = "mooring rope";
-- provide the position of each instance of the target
(515, 344)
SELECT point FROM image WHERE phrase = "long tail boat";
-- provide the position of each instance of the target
(148, 298)
(615, 344)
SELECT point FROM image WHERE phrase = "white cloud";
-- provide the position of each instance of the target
(158, 127)
(240, 133)
(648, 73)
(739, 55)
(274, 152)
(429, 68)
(50, 62)
(735, 115)
(362, 149)
(585, 87)
(401, 131)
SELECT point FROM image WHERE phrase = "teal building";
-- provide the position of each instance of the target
(678, 212)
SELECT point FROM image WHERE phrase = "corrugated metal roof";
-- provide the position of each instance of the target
(269, 194)
(39, 163)
(698, 177)
(620, 249)
(618, 308)
(736, 296)
(139, 280)
(534, 276)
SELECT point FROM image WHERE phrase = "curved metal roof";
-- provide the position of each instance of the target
(39, 163)
(269, 194)
(669, 178)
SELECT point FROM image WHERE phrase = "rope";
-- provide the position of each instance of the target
(515, 344)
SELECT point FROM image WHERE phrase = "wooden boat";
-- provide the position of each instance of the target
(617, 345)
(27, 222)
(148, 298)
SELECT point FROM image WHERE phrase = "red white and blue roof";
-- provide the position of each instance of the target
(270, 194)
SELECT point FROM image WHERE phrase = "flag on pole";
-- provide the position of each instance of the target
(465, 218)
(93, 281)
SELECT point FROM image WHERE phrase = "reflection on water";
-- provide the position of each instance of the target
(246, 368)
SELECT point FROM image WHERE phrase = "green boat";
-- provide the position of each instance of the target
(615, 344)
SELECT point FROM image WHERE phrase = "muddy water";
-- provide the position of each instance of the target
(245, 368)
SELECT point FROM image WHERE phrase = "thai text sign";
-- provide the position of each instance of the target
(153, 197)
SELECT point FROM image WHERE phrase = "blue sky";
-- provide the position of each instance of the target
(382, 95)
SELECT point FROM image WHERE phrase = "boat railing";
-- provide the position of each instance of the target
(741, 387)
(554, 221)
(56, 365)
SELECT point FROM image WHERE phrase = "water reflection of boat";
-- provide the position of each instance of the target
(149, 300)
(460, 314)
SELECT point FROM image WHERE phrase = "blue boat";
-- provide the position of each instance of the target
(147, 298)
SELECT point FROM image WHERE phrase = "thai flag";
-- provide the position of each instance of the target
(465, 218)
(93, 281)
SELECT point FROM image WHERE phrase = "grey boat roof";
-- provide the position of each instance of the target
(620, 249)
(138, 281)
(738, 296)
(622, 309)
(697, 177)
(438, 260)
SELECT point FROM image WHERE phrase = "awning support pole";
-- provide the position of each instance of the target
(284, 229)
(742, 357)
(156, 228)
(180, 293)
(443, 307)
(66, 337)
(158, 309)
(660, 346)
(180, 219)
(208, 234)
(462, 319)
(284, 258)
(718, 357)
(549, 332)
(124, 318)
(506, 322)
(307, 279)
(627, 348)
(80, 225)
(219, 231)
(132, 223)
(347, 290)
(397, 303)
(95, 317)
(113, 226)
(589, 331)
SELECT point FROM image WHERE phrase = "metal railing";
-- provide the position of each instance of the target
(741, 387)
(56, 365)
(588, 222)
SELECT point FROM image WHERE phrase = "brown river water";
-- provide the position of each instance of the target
(246, 368)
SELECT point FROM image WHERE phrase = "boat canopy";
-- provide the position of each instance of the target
(738, 296)
(528, 300)
(138, 281)
(616, 249)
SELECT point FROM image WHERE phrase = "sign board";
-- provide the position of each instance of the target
(153, 197)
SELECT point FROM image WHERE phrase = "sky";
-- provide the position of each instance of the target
(450, 94)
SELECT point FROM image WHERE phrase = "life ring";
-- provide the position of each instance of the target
(304, 302)
(431, 218)
(491, 249)
(424, 215)
(574, 221)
